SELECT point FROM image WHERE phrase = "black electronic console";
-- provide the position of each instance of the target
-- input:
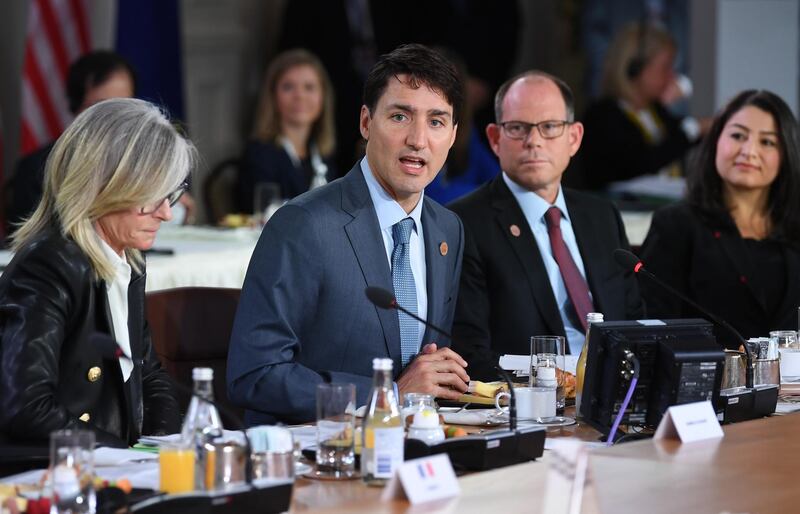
(484, 451)
(268, 497)
(744, 403)
(680, 362)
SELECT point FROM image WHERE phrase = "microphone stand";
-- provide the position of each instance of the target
(625, 258)
(386, 300)
(428, 324)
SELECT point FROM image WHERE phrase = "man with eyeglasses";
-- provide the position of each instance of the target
(537, 257)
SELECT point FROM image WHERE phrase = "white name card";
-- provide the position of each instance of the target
(423, 480)
(690, 422)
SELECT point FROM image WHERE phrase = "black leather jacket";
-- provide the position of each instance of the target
(51, 377)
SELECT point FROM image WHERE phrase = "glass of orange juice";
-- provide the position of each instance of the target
(176, 468)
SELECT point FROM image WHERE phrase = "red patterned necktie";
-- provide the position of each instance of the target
(577, 289)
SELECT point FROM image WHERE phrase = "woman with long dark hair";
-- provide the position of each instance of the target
(733, 245)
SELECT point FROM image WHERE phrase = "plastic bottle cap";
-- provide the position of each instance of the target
(380, 364)
(594, 317)
(202, 374)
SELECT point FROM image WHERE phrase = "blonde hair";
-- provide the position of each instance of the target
(116, 155)
(267, 126)
(641, 41)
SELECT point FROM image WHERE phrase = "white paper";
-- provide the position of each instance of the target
(304, 435)
(690, 422)
(515, 362)
(423, 480)
(116, 456)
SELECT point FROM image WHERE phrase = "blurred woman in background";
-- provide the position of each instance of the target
(734, 245)
(470, 162)
(110, 182)
(629, 131)
(293, 139)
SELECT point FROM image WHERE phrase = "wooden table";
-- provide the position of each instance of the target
(752, 469)
(511, 489)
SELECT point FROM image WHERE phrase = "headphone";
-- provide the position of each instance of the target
(639, 59)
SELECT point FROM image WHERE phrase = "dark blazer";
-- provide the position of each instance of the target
(50, 305)
(702, 255)
(303, 318)
(614, 147)
(505, 296)
(268, 162)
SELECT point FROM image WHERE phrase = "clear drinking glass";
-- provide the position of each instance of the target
(176, 467)
(336, 405)
(266, 200)
(71, 472)
(547, 365)
(785, 339)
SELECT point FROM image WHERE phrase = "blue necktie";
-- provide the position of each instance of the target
(404, 288)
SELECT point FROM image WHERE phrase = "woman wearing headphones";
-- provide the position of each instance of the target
(630, 132)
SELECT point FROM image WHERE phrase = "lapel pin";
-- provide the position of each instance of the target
(443, 248)
(514, 230)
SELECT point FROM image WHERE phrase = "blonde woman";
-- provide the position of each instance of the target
(293, 139)
(111, 180)
(629, 131)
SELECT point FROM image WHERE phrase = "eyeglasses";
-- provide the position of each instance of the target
(171, 199)
(548, 129)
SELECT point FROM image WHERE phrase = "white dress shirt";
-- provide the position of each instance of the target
(117, 291)
(534, 207)
(390, 212)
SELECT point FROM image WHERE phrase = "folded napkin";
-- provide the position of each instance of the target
(483, 417)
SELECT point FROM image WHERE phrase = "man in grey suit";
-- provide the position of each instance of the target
(303, 318)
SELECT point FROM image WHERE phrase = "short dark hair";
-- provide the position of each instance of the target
(423, 66)
(91, 70)
(566, 93)
(705, 184)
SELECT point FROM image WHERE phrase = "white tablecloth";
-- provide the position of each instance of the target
(202, 257)
(212, 257)
(636, 226)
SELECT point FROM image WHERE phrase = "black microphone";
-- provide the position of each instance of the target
(385, 300)
(110, 349)
(629, 261)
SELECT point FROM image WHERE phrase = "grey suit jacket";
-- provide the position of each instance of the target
(303, 317)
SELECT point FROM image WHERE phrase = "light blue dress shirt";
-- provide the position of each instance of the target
(534, 207)
(390, 212)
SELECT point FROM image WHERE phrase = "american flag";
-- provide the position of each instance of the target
(57, 34)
